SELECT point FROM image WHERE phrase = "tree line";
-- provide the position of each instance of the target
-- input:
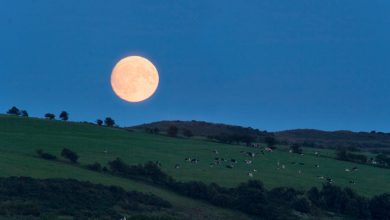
(49, 198)
(64, 116)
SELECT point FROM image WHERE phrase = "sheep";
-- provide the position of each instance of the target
(250, 174)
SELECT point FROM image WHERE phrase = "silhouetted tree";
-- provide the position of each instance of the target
(50, 116)
(13, 111)
(24, 113)
(172, 131)
(70, 155)
(64, 115)
(109, 122)
(187, 133)
(99, 122)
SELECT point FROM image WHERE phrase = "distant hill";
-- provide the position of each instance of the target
(373, 140)
(310, 137)
(202, 128)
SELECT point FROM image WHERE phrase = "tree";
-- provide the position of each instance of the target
(187, 133)
(14, 111)
(99, 122)
(50, 116)
(172, 131)
(296, 148)
(24, 113)
(270, 141)
(70, 155)
(64, 115)
(109, 122)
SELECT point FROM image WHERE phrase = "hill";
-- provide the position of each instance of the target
(202, 128)
(371, 140)
(311, 137)
(21, 137)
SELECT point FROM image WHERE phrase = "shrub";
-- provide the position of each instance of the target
(70, 155)
(46, 156)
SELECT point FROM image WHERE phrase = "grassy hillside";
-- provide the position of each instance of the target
(21, 137)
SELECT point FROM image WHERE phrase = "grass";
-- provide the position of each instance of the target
(21, 137)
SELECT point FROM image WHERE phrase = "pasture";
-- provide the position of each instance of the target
(21, 137)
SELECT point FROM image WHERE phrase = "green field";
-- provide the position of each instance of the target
(21, 137)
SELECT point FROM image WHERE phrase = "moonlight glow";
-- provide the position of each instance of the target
(134, 79)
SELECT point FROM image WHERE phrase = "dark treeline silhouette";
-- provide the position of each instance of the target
(343, 154)
(48, 198)
(252, 198)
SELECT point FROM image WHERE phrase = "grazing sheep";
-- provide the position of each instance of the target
(352, 182)
(177, 166)
(250, 174)
(215, 151)
(283, 167)
(248, 161)
(317, 166)
(250, 154)
(347, 170)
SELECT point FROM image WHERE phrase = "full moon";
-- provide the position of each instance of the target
(134, 79)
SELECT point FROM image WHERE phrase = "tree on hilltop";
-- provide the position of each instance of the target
(14, 111)
(99, 122)
(64, 115)
(109, 122)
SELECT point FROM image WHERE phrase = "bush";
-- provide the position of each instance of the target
(70, 155)
(46, 156)
(50, 116)
(296, 148)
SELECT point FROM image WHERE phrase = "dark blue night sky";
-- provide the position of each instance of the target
(272, 65)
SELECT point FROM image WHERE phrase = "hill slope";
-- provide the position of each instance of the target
(21, 137)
